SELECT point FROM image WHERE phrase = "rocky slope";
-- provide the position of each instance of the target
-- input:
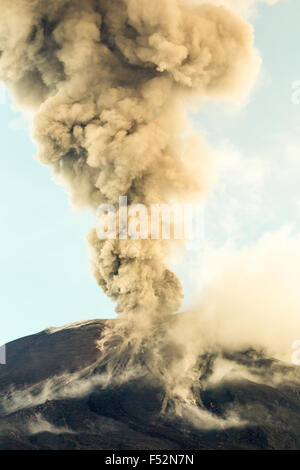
(54, 395)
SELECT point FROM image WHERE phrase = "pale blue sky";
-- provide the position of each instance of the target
(44, 272)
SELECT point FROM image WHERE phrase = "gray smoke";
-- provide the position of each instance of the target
(107, 81)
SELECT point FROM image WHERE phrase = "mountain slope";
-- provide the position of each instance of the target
(56, 395)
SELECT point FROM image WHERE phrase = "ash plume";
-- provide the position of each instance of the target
(107, 81)
(243, 7)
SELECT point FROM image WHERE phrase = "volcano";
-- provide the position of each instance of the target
(55, 395)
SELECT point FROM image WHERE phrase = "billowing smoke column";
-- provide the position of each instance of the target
(106, 80)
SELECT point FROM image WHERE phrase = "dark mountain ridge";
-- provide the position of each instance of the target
(55, 395)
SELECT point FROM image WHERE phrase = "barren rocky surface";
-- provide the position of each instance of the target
(46, 403)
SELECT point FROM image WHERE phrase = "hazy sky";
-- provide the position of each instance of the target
(257, 154)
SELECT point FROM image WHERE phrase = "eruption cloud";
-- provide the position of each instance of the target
(108, 81)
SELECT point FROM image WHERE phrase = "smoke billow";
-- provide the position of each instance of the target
(107, 81)
(243, 7)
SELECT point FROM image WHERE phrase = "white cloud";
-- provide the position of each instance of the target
(254, 193)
